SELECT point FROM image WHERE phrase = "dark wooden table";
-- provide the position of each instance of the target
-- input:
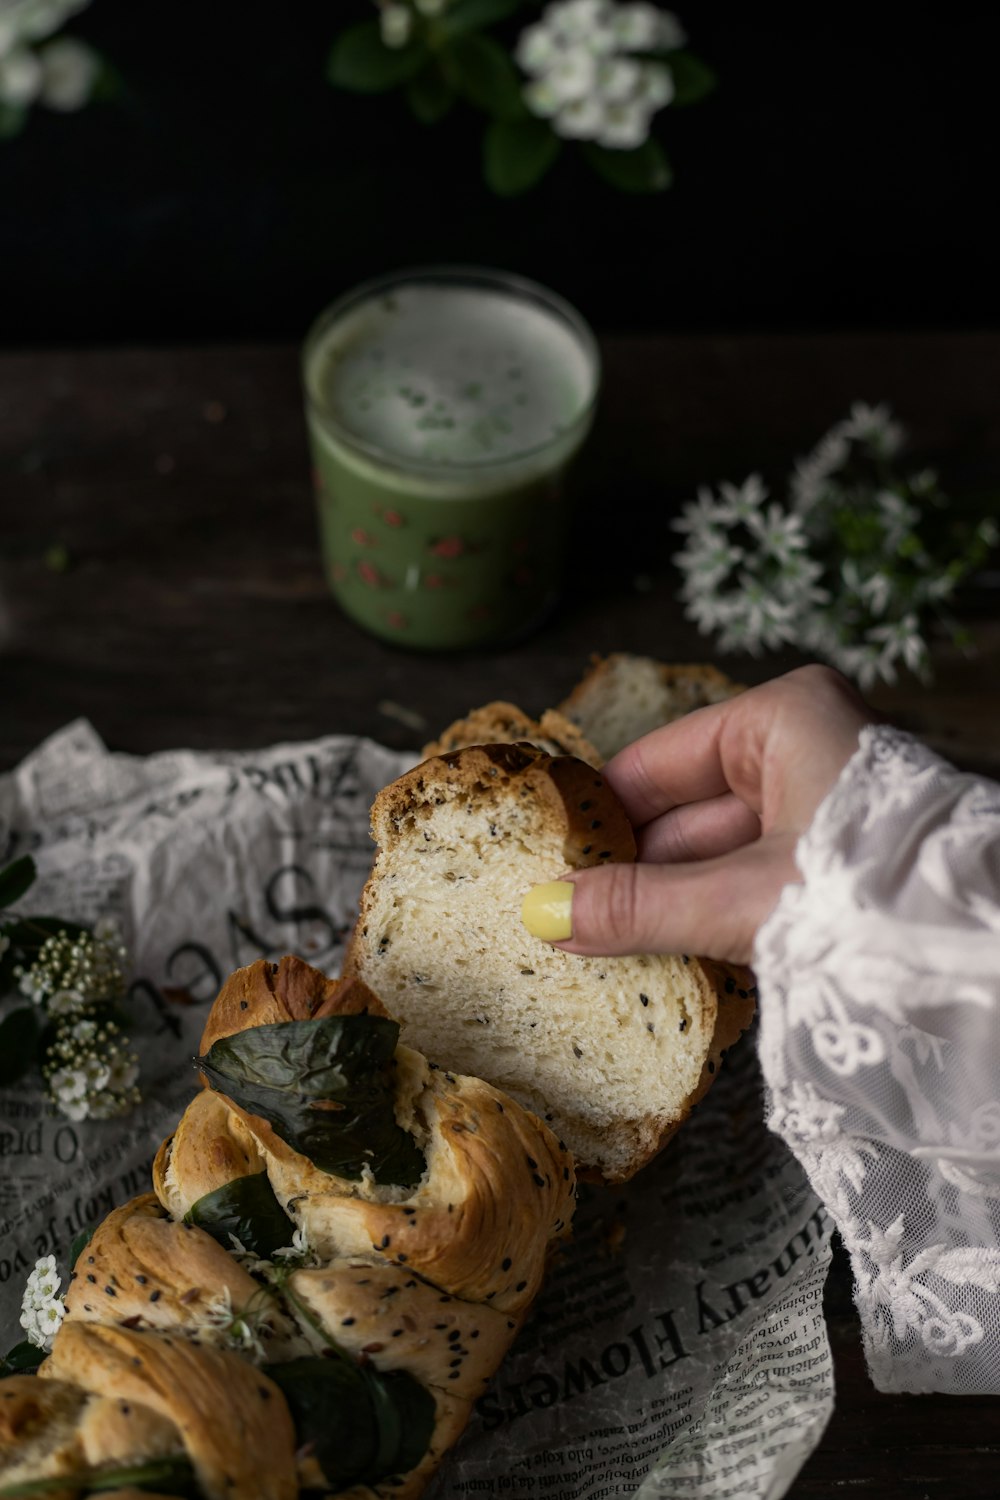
(159, 574)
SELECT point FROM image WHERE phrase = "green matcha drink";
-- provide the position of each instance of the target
(444, 406)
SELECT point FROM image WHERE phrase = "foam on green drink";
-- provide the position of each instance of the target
(449, 403)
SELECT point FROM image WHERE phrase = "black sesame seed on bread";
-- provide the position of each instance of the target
(613, 1052)
(503, 723)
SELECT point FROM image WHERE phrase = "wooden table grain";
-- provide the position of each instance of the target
(160, 575)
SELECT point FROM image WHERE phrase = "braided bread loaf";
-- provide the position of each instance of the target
(199, 1361)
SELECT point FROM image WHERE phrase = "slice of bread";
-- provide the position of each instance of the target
(623, 697)
(613, 1052)
(504, 723)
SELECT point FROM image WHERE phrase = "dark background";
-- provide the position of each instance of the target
(842, 176)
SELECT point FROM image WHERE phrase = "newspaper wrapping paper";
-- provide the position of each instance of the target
(679, 1348)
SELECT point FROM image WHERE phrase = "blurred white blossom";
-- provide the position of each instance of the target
(583, 74)
(61, 74)
(69, 72)
(844, 570)
(395, 24)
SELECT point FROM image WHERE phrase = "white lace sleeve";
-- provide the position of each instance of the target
(880, 1043)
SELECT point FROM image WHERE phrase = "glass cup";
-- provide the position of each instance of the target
(444, 406)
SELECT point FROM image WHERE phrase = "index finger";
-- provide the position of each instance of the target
(676, 764)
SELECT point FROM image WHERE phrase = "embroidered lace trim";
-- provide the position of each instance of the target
(880, 1044)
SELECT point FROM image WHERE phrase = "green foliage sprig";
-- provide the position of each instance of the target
(590, 71)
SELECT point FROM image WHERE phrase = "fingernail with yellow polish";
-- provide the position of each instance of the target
(547, 911)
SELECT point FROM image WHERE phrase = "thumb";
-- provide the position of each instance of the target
(711, 907)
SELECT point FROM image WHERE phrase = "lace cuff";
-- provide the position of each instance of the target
(880, 1043)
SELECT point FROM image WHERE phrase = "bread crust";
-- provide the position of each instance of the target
(611, 704)
(500, 722)
(464, 1227)
(243, 1446)
(570, 796)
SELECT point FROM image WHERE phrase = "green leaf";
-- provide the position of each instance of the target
(517, 154)
(79, 1245)
(693, 79)
(23, 1359)
(480, 70)
(327, 1089)
(30, 934)
(475, 15)
(15, 879)
(172, 1476)
(360, 61)
(248, 1209)
(365, 1425)
(12, 120)
(430, 95)
(18, 1044)
(643, 170)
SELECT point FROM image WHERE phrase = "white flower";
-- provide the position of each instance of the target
(537, 48)
(875, 590)
(123, 1072)
(20, 77)
(576, 56)
(542, 99)
(575, 20)
(573, 76)
(874, 425)
(624, 127)
(644, 28)
(813, 473)
(740, 502)
(708, 559)
(43, 1282)
(699, 517)
(656, 85)
(581, 120)
(42, 1309)
(395, 25)
(69, 71)
(780, 534)
(618, 79)
(759, 618)
(64, 1002)
(96, 1071)
(300, 1246)
(899, 638)
(68, 1084)
(107, 930)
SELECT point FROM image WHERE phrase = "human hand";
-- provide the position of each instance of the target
(719, 800)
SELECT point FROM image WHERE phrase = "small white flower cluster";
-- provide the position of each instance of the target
(584, 75)
(396, 20)
(59, 74)
(90, 1073)
(72, 971)
(291, 1257)
(840, 572)
(42, 1309)
(243, 1331)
